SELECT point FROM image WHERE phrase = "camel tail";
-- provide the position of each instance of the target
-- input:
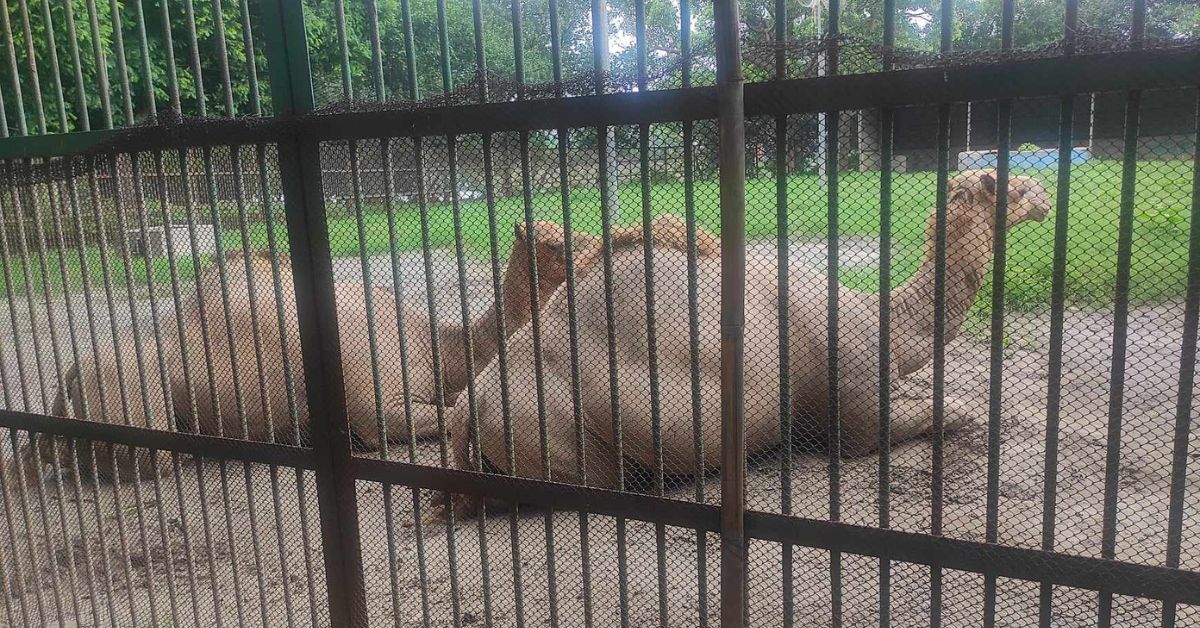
(27, 459)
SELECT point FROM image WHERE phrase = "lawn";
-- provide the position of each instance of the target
(1158, 270)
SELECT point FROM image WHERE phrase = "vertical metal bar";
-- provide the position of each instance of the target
(689, 210)
(405, 383)
(14, 75)
(118, 42)
(435, 353)
(264, 189)
(36, 563)
(996, 340)
(163, 370)
(832, 155)
(783, 266)
(251, 59)
(104, 91)
(339, 19)
(81, 110)
(189, 14)
(376, 49)
(122, 387)
(238, 396)
(100, 408)
(605, 149)
(139, 361)
(1187, 374)
(55, 70)
(887, 119)
(168, 46)
(144, 52)
(410, 58)
(15, 560)
(173, 268)
(300, 169)
(606, 218)
(732, 148)
(256, 344)
(1116, 400)
(937, 484)
(185, 178)
(289, 385)
(35, 83)
(660, 531)
(30, 308)
(501, 348)
(465, 312)
(1066, 124)
(222, 56)
(60, 246)
(7, 263)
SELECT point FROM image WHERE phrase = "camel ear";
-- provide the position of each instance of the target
(519, 230)
(989, 182)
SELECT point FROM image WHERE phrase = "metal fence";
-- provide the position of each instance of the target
(591, 346)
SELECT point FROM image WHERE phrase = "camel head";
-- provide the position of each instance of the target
(972, 197)
(548, 240)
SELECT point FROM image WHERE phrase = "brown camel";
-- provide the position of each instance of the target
(970, 226)
(232, 402)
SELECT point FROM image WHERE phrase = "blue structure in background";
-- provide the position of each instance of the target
(1042, 158)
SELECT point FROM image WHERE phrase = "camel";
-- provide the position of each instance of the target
(198, 404)
(969, 228)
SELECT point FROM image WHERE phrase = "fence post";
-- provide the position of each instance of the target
(732, 156)
(312, 268)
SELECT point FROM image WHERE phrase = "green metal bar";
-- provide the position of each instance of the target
(81, 110)
(887, 119)
(251, 61)
(34, 79)
(101, 62)
(169, 50)
(1116, 400)
(223, 56)
(833, 368)
(189, 14)
(339, 16)
(144, 52)
(376, 49)
(410, 59)
(1057, 311)
(14, 74)
(122, 68)
(300, 170)
(55, 70)
(1187, 374)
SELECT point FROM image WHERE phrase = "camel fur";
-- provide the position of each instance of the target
(970, 221)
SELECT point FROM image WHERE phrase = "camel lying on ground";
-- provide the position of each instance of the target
(213, 390)
(970, 225)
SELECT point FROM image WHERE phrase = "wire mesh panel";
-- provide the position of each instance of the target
(80, 550)
(470, 314)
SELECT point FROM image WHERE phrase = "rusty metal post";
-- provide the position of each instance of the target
(733, 288)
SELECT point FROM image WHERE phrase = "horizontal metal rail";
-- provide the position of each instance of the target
(1033, 565)
(213, 447)
(1057, 76)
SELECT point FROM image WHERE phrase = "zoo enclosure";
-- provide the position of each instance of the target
(324, 456)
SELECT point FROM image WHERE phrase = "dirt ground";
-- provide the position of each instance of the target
(246, 538)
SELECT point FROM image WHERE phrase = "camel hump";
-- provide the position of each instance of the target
(668, 231)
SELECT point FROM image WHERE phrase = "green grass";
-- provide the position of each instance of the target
(1158, 269)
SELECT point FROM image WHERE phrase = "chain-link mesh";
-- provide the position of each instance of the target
(546, 304)
(212, 543)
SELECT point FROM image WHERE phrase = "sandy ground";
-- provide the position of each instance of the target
(246, 539)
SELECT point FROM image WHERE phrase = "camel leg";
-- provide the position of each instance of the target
(910, 418)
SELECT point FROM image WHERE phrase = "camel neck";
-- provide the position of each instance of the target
(968, 253)
(514, 303)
